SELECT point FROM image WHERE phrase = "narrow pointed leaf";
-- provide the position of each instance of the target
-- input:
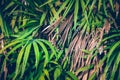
(46, 73)
(71, 75)
(10, 44)
(25, 58)
(57, 73)
(37, 54)
(19, 59)
(115, 67)
(45, 52)
(51, 47)
(76, 13)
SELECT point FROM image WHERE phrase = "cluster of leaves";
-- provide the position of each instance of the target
(25, 54)
(85, 37)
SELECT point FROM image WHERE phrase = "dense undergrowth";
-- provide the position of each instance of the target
(59, 40)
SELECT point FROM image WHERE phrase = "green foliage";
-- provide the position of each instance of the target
(59, 39)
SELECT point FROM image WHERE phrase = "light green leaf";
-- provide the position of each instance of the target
(112, 5)
(86, 51)
(25, 58)
(19, 59)
(83, 5)
(28, 24)
(43, 18)
(51, 47)
(47, 2)
(46, 73)
(15, 48)
(62, 6)
(10, 44)
(59, 55)
(84, 68)
(71, 75)
(45, 51)
(67, 78)
(42, 77)
(29, 31)
(53, 10)
(99, 4)
(9, 5)
(24, 21)
(65, 63)
(13, 21)
(37, 54)
(92, 77)
(67, 9)
(57, 73)
(76, 13)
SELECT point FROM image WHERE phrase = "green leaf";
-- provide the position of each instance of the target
(99, 4)
(109, 37)
(86, 51)
(28, 32)
(108, 64)
(15, 48)
(51, 47)
(42, 77)
(65, 63)
(91, 8)
(3, 26)
(45, 51)
(84, 68)
(112, 49)
(47, 2)
(71, 75)
(67, 9)
(105, 8)
(67, 78)
(76, 13)
(28, 24)
(62, 6)
(39, 71)
(11, 44)
(46, 73)
(110, 57)
(115, 67)
(118, 73)
(112, 5)
(25, 58)
(43, 18)
(25, 13)
(83, 5)
(59, 55)
(54, 62)
(53, 10)
(57, 73)
(19, 59)
(37, 53)
(24, 21)
(13, 21)
(92, 77)
(9, 5)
